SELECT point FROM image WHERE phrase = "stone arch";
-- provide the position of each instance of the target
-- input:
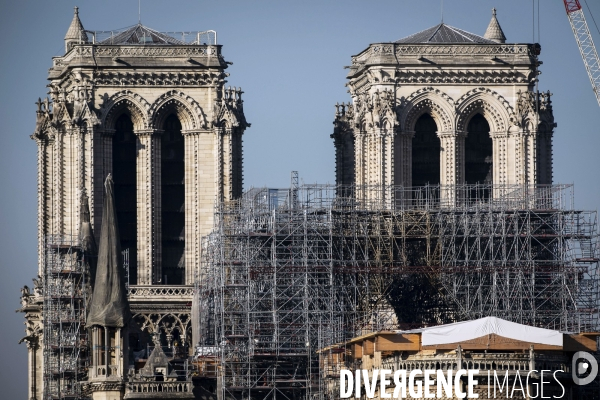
(226, 118)
(125, 101)
(187, 109)
(428, 100)
(387, 124)
(61, 118)
(529, 124)
(494, 108)
(155, 323)
(426, 152)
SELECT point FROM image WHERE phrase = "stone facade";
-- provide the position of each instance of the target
(90, 89)
(154, 112)
(454, 77)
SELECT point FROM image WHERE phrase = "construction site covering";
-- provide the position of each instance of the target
(289, 271)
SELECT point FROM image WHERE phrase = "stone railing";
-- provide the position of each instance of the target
(511, 49)
(399, 49)
(163, 292)
(159, 387)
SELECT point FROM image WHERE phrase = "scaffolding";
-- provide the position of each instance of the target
(290, 271)
(64, 313)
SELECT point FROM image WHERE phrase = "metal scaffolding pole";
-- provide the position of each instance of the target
(295, 270)
(65, 338)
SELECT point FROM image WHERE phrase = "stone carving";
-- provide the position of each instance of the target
(397, 50)
(64, 111)
(428, 99)
(82, 112)
(33, 335)
(344, 115)
(179, 79)
(229, 109)
(38, 286)
(188, 110)
(136, 104)
(495, 108)
(534, 109)
(168, 322)
(375, 111)
(427, 90)
(43, 118)
(459, 76)
(26, 296)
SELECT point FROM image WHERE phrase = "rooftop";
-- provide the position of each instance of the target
(142, 35)
(134, 35)
(444, 33)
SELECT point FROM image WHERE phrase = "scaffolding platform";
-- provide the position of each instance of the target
(290, 271)
(66, 343)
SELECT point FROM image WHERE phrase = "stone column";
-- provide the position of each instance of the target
(507, 153)
(89, 166)
(42, 189)
(403, 167)
(218, 164)
(372, 168)
(531, 170)
(387, 167)
(148, 182)
(71, 175)
(32, 350)
(57, 183)
(403, 158)
(200, 194)
(452, 166)
(359, 158)
(227, 164)
(77, 178)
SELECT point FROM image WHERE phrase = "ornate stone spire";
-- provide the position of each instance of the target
(76, 33)
(494, 31)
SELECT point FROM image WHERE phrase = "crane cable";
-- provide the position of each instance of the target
(592, 15)
(533, 21)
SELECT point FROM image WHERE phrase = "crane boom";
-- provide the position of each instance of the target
(585, 43)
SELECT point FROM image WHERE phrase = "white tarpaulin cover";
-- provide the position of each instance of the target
(468, 330)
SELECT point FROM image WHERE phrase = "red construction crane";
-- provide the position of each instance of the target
(585, 43)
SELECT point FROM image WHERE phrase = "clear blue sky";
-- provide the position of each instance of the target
(288, 58)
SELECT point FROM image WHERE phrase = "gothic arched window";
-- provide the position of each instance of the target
(425, 152)
(173, 202)
(478, 152)
(124, 177)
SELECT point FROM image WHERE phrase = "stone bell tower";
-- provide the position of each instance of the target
(445, 107)
(151, 109)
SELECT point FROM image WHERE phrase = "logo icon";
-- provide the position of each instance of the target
(584, 363)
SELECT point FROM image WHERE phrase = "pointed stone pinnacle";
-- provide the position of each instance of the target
(494, 31)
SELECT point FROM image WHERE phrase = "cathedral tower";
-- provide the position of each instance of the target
(152, 110)
(445, 107)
